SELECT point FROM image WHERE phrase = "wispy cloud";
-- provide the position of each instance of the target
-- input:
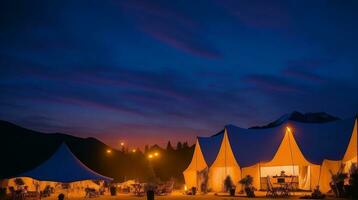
(303, 74)
(271, 83)
(259, 13)
(172, 27)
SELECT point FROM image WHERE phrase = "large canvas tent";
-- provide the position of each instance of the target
(308, 152)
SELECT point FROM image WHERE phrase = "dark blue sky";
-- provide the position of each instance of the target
(150, 71)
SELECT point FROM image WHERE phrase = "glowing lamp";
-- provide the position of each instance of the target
(134, 150)
(156, 154)
(288, 129)
(109, 151)
(122, 143)
(185, 188)
(150, 156)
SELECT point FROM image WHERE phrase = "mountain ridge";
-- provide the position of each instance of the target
(308, 117)
(24, 149)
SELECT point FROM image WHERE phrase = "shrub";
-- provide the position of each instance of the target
(247, 183)
(337, 183)
(19, 181)
(113, 190)
(353, 182)
(228, 183)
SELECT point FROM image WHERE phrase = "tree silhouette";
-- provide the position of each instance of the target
(169, 146)
(179, 146)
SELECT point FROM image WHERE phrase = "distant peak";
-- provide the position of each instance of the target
(309, 117)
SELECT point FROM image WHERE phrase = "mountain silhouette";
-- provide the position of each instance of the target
(310, 117)
(23, 149)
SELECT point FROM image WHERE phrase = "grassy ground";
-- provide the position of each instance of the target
(178, 197)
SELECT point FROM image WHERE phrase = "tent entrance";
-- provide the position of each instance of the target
(298, 176)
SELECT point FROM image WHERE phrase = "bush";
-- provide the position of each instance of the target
(228, 183)
(353, 182)
(113, 190)
(19, 182)
(337, 183)
(204, 180)
(2, 193)
(247, 183)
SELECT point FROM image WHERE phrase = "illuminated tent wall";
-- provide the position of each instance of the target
(62, 167)
(310, 151)
(332, 145)
(266, 152)
(224, 165)
(77, 189)
(205, 152)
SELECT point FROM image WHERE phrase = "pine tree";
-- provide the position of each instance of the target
(169, 146)
(185, 145)
(179, 146)
(146, 149)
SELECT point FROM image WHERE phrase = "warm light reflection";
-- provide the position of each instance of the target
(288, 129)
(109, 151)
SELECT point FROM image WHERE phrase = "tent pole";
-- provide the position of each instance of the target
(260, 174)
(196, 170)
(293, 166)
(320, 171)
(225, 155)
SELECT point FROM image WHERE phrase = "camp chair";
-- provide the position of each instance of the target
(16, 194)
(284, 190)
(33, 195)
(167, 188)
(270, 190)
(91, 193)
(46, 192)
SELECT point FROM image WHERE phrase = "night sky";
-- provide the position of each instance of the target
(146, 72)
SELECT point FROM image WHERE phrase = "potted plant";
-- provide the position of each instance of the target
(193, 190)
(204, 181)
(337, 183)
(149, 189)
(113, 190)
(247, 184)
(2, 193)
(229, 186)
(353, 182)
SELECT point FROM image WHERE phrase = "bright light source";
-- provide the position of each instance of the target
(122, 143)
(156, 154)
(185, 188)
(150, 156)
(288, 129)
(134, 150)
(109, 151)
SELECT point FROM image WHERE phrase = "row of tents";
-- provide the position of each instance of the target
(310, 152)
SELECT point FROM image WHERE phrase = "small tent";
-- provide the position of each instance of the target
(63, 167)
